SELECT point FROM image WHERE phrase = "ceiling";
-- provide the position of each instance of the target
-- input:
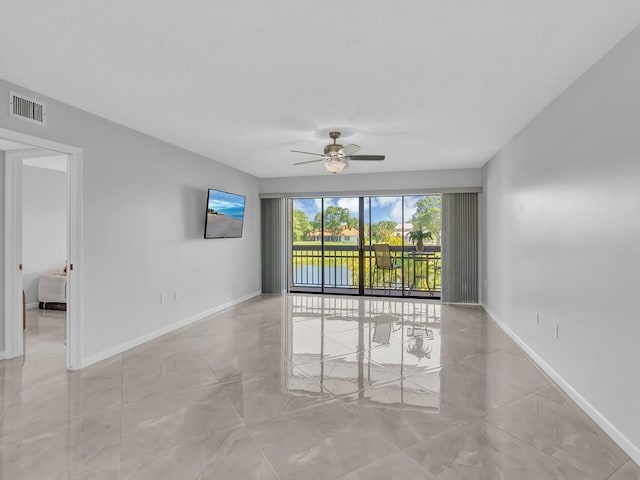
(432, 84)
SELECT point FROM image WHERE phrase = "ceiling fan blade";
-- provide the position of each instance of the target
(308, 153)
(310, 161)
(367, 158)
(348, 150)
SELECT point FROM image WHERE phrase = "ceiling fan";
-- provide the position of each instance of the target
(337, 157)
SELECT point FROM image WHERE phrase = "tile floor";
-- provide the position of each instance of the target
(300, 387)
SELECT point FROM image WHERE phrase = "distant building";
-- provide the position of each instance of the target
(347, 235)
(399, 228)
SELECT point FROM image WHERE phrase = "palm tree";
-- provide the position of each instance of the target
(418, 237)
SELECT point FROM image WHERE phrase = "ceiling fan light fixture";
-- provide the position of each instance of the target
(336, 156)
(335, 166)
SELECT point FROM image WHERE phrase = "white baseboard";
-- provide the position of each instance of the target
(110, 352)
(616, 435)
(2, 355)
(30, 306)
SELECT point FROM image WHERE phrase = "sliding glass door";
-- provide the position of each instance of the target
(384, 221)
(326, 244)
(334, 243)
(341, 242)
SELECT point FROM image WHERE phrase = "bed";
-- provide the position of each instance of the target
(52, 291)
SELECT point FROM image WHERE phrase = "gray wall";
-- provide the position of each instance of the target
(143, 214)
(2, 206)
(562, 237)
(44, 225)
(373, 182)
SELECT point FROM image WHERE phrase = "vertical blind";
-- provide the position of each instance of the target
(274, 261)
(460, 247)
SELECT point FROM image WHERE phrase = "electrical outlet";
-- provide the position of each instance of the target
(557, 331)
(538, 318)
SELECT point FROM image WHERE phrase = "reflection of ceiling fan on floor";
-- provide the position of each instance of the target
(337, 157)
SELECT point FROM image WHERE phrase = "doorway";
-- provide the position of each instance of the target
(24, 155)
(333, 242)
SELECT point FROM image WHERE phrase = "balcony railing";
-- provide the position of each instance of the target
(420, 273)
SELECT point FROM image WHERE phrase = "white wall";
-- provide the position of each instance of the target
(44, 225)
(562, 238)
(374, 182)
(143, 214)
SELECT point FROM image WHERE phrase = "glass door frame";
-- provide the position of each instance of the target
(364, 250)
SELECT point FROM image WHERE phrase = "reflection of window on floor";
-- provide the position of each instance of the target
(382, 350)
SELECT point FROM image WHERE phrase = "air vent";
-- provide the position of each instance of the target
(27, 108)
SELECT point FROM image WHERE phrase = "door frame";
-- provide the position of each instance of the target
(13, 332)
(364, 205)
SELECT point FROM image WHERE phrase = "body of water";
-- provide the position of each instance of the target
(334, 276)
(234, 212)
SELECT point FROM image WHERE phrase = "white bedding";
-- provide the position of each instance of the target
(52, 288)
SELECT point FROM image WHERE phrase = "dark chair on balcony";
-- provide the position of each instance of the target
(389, 267)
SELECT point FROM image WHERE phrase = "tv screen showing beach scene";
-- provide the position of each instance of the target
(225, 215)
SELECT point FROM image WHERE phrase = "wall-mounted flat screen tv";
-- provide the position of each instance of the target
(225, 215)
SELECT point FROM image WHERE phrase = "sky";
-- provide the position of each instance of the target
(382, 208)
(227, 203)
